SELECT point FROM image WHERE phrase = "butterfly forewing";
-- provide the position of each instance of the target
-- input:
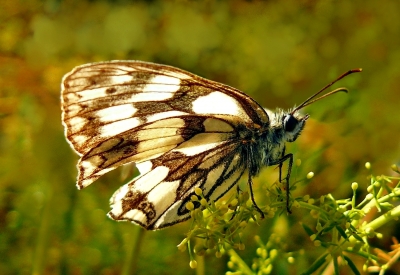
(183, 131)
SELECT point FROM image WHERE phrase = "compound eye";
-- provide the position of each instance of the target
(290, 123)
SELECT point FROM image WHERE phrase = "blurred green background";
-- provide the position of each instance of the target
(277, 52)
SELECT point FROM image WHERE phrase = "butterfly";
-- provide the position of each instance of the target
(182, 132)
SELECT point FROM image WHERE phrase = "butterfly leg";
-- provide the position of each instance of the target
(250, 183)
(281, 165)
(289, 171)
(237, 207)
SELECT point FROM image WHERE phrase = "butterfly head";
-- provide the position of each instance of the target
(286, 125)
(292, 125)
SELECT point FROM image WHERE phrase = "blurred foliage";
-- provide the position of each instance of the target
(277, 52)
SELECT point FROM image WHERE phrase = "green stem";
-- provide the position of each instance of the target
(243, 266)
(335, 235)
(39, 257)
(353, 199)
(316, 208)
(380, 221)
(200, 270)
(395, 193)
(383, 219)
(132, 253)
(372, 203)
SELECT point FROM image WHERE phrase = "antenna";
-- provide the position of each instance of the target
(312, 98)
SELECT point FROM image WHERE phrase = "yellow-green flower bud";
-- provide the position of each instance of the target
(193, 264)
(194, 198)
(198, 191)
(203, 202)
(189, 206)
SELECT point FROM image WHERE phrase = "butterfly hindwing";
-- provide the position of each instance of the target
(157, 197)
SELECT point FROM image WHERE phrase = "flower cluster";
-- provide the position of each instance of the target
(218, 226)
(342, 231)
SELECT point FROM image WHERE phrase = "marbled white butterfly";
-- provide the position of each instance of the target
(182, 131)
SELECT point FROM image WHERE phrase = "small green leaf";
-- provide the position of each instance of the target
(336, 265)
(308, 230)
(342, 232)
(357, 237)
(317, 264)
(329, 227)
(352, 265)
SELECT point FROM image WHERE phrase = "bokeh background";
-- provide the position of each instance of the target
(277, 52)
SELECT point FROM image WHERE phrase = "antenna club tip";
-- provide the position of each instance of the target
(342, 89)
(358, 70)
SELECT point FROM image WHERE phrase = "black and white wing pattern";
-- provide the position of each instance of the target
(181, 130)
